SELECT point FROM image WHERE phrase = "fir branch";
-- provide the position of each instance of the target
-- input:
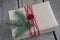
(21, 22)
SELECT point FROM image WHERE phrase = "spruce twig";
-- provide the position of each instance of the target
(21, 22)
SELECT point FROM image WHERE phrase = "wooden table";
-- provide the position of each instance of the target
(5, 6)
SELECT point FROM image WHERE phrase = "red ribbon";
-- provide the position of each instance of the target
(30, 16)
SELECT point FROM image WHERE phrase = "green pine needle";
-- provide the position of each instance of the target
(21, 22)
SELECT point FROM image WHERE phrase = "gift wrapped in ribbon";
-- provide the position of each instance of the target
(32, 20)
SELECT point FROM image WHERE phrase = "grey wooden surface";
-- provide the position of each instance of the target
(6, 5)
(23, 3)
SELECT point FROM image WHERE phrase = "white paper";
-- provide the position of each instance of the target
(44, 17)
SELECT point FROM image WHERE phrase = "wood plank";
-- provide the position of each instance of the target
(0, 19)
(6, 6)
(47, 36)
(23, 3)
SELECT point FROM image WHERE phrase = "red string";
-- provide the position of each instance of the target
(30, 7)
(30, 16)
(27, 13)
